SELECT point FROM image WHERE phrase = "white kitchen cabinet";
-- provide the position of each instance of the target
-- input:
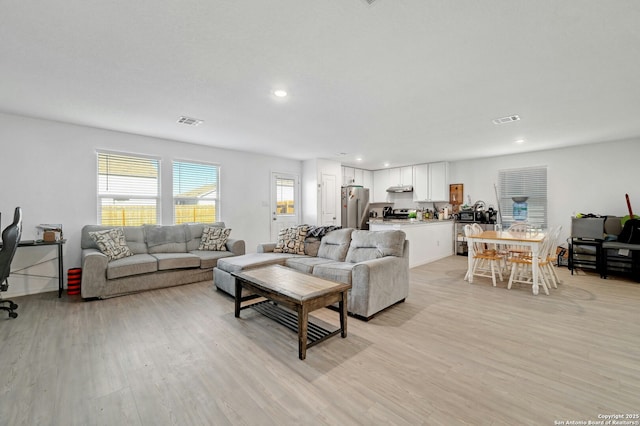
(428, 241)
(358, 177)
(401, 176)
(421, 182)
(438, 179)
(430, 182)
(353, 176)
(406, 175)
(380, 185)
(367, 179)
(394, 176)
(348, 176)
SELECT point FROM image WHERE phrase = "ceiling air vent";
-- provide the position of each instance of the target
(189, 121)
(369, 2)
(507, 119)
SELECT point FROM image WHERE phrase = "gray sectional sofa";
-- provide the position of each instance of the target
(163, 256)
(375, 263)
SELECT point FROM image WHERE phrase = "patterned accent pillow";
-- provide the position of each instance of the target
(214, 238)
(291, 240)
(112, 243)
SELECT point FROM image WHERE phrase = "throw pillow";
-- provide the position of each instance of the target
(214, 238)
(291, 240)
(112, 243)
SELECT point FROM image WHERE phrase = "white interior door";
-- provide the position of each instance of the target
(328, 200)
(285, 202)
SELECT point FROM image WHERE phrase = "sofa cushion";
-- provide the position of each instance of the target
(335, 244)
(291, 240)
(335, 271)
(214, 238)
(305, 264)
(311, 246)
(368, 245)
(133, 234)
(194, 233)
(208, 258)
(132, 265)
(112, 243)
(166, 239)
(176, 261)
(252, 260)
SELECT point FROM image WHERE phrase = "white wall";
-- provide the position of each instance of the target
(49, 169)
(585, 179)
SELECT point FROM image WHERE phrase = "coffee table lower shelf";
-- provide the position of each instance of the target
(300, 294)
(315, 333)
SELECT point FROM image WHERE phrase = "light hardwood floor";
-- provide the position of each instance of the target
(452, 354)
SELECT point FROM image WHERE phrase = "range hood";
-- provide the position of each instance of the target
(400, 188)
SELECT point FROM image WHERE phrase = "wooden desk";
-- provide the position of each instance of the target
(299, 292)
(533, 240)
(32, 243)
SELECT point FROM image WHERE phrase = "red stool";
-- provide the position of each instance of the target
(74, 277)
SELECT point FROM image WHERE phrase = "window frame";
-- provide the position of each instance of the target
(525, 180)
(216, 199)
(123, 195)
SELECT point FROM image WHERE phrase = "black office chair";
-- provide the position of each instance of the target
(10, 240)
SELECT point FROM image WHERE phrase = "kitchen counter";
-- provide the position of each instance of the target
(405, 222)
(429, 240)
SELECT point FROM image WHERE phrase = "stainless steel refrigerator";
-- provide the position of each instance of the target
(355, 207)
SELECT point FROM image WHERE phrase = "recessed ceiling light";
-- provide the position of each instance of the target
(280, 93)
(358, 159)
(519, 141)
(386, 164)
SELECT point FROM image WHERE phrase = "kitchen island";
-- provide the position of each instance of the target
(429, 240)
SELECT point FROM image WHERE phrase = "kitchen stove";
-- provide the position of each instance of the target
(389, 213)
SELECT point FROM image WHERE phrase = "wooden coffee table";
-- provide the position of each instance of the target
(301, 293)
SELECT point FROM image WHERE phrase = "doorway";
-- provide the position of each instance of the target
(285, 202)
(328, 201)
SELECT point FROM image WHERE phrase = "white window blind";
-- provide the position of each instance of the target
(127, 189)
(285, 196)
(530, 182)
(195, 192)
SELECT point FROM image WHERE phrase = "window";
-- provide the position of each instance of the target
(195, 192)
(285, 196)
(523, 196)
(127, 189)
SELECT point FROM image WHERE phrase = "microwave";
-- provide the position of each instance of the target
(466, 216)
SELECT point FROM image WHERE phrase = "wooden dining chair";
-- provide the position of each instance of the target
(517, 251)
(554, 235)
(485, 260)
(522, 267)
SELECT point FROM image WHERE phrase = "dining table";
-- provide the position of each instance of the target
(532, 239)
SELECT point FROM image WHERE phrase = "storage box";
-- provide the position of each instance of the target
(587, 228)
(51, 236)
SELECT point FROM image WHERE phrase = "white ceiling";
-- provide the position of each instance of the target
(398, 81)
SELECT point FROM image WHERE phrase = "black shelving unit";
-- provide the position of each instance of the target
(585, 254)
(585, 243)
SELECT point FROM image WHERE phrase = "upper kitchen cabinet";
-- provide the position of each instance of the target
(353, 176)
(401, 176)
(406, 175)
(421, 182)
(367, 179)
(438, 180)
(348, 176)
(380, 185)
(430, 182)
